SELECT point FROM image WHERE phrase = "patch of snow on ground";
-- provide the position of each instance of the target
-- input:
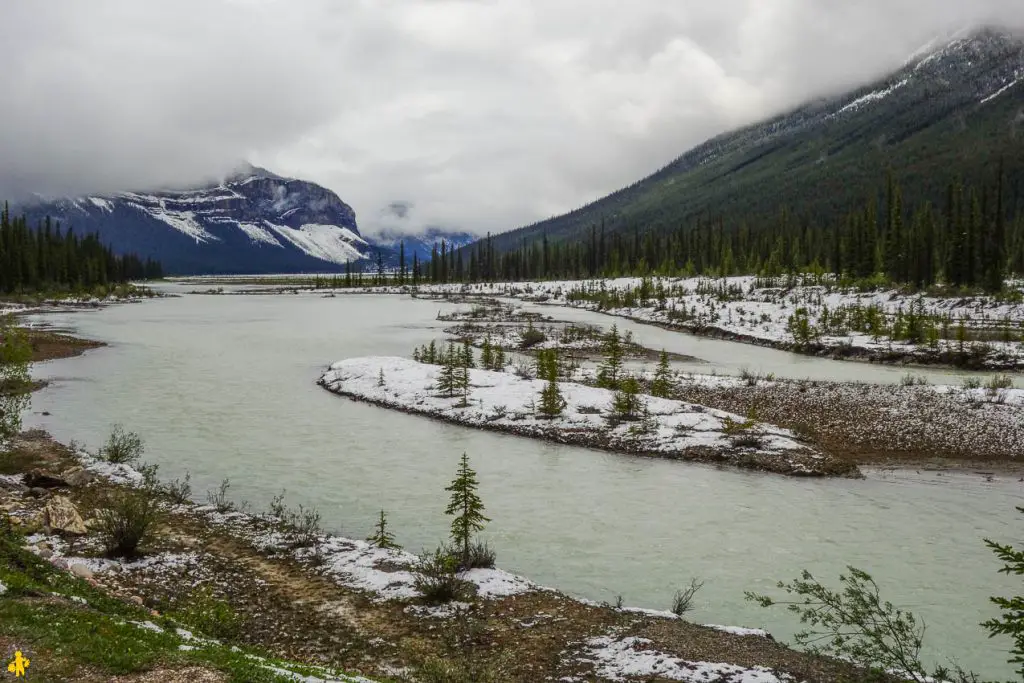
(619, 659)
(739, 630)
(501, 400)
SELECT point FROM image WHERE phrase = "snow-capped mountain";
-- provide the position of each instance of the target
(422, 243)
(953, 110)
(254, 221)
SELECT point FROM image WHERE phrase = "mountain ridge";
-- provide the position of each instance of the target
(250, 221)
(975, 80)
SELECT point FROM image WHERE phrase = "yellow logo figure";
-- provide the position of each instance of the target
(18, 666)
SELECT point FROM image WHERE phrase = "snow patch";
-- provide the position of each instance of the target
(999, 92)
(619, 659)
(327, 242)
(872, 97)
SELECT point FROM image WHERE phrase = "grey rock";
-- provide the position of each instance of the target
(77, 476)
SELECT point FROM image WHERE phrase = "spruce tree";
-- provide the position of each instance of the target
(487, 355)
(382, 537)
(448, 380)
(551, 402)
(499, 358)
(662, 384)
(611, 367)
(626, 405)
(466, 362)
(466, 508)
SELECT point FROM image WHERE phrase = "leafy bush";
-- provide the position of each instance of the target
(682, 601)
(437, 578)
(855, 624)
(179, 490)
(126, 522)
(971, 383)
(122, 447)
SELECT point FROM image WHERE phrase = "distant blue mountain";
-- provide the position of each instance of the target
(254, 221)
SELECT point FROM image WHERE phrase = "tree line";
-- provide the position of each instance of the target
(46, 258)
(970, 241)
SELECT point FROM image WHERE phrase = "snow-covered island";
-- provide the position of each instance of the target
(504, 402)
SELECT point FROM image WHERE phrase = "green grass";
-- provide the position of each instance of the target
(63, 637)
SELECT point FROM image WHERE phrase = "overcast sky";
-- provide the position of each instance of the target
(468, 114)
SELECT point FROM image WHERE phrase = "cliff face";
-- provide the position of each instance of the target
(254, 221)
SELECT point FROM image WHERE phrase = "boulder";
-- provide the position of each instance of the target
(76, 476)
(38, 479)
(61, 515)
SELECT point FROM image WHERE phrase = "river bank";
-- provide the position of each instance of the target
(309, 599)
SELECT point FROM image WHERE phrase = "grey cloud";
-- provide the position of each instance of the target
(482, 114)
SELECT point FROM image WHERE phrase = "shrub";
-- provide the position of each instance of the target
(305, 523)
(854, 623)
(213, 617)
(122, 447)
(530, 337)
(437, 578)
(126, 521)
(971, 383)
(999, 382)
(277, 507)
(481, 556)
(219, 500)
(179, 490)
(682, 601)
(911, 380)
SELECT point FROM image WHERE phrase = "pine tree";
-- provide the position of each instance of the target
(466, 507)
(448, 380)
(465, 363)
(487, 355)
(662, 384)
(611, 367)
(382, 537)
(380, 378)
(499, 358)
(626, 405)
(551, 402)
